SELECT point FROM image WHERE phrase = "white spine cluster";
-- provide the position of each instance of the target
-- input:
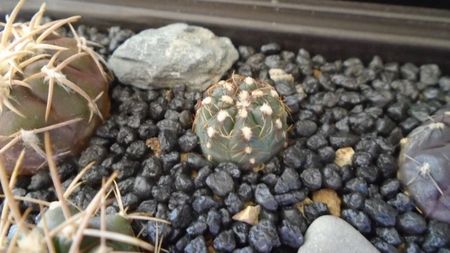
(207, 101)
(227, 99)
(266, 109)
(211, 132)
(222, 115)
(278, 124)
(247, 133)
(249, 80)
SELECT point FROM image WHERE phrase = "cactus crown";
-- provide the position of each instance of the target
(241, 120)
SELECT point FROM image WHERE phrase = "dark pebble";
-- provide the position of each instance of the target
(151, 168)
(196, 161)
(188, 141)
(40, 180)
(198, 245)
(290, 198)
(331, 177)
(311, 178)
(290, 234)
(315, 210)
(383, 246)
(225, 241)
(264, 197)
(137, 149)
(240, 230)
(380, 212)
(197, 227)
(162, 190)
(92, 153)
(167, 140)
(245, 192)
(316, 142)
(390, 187)
(389, 235)
(148, 207)
(357, 219)
(126, 135)
(220, 182)
(244, 250)
(264, 237)
(181, 216)
(353, 200)
(233, 202)
(401, 202)
(342, 139)
(357, 184)
(231, 168)
(271, 48)
(200, 178)
(214, 221)
(142, 187)
(411, 223)
(125, 168)
(288, 181)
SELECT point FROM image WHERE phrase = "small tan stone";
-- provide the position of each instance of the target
(249, 215)
(330, 198)
(154, 145)
(280, 75)
(344, 156)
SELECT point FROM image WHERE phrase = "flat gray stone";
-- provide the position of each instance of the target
(172, 55)
(330, 234)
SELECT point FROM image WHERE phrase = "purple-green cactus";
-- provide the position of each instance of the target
(47, 83)
(424, 166)
(241, 120)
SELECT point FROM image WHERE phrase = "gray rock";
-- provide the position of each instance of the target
(330, 234)
(171, 55)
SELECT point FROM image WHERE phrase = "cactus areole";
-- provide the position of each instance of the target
(241, 120)
(424, 166)
(47, 83)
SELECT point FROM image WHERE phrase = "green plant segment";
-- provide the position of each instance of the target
(62, 241)
(241, 120)
(424, 166)
(47, 83)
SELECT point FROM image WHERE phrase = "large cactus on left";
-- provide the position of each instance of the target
(47, 83)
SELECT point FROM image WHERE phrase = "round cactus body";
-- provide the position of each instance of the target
(241, 120)
(47, 83)
(424, 166)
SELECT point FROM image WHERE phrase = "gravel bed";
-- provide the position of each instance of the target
(334, 104)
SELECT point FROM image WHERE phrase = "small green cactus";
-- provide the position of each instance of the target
(424, 166)
(47, 83)
(241, 120)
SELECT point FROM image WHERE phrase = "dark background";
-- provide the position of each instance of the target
(441, 4)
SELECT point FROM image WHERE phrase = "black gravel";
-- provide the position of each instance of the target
(368, 106)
